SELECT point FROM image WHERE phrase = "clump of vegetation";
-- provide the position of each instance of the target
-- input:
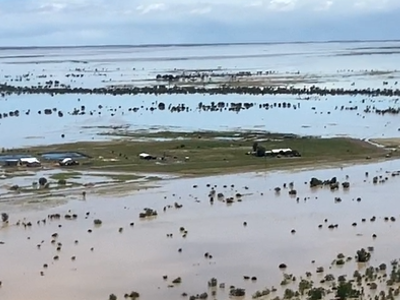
(133, 295)
(289, 294)
(287, 278)
(370, 273)
(42, 181)
(15, 187)
(97, 222)
(345, 291)
(148, 212)
(329, 277)
(62, 182)
(4, 217)
(340, 262)
(316, 293)
(373, 286)
(112, 297)
(357, 275)
(304, 285)
(235, 292)
(363, 256)
(340, 256)
(262, 293)
(177, 280)
(213, 282)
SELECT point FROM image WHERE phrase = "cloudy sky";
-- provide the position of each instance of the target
(100, 22)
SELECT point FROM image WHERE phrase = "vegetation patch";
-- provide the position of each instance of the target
(203, 154)
(66, 176)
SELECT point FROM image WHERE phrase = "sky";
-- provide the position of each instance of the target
(133, 22)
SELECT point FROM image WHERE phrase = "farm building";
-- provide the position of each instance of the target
(30, 162)
(146, 156)
(11, 163)
(282, 152)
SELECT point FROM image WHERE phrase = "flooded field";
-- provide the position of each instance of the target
(357, 117)
(251, 237)
(86, 232)
(326, 64)
(47, 119)
(63, 182)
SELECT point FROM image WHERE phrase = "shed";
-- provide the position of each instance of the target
(283, 151)
(11, 163)
(29, 161)
(146, 156)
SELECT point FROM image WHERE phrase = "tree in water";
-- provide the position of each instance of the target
(4, 217)
(42, 181)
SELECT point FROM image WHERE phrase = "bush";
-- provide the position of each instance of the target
(42, 181)
(288, 294)
(340, 262)
(62, 182)
(316, 294)
(134, 295)
(4, 217)
(112, 297)
(97, 222)
(345, 291)
(363, 256)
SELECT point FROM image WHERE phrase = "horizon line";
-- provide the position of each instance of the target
(196, 44)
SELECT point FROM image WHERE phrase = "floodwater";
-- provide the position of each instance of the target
(109, 261)
(346, 65)
(322, 117)
(101, 66)
(138, 257)
(25, 179)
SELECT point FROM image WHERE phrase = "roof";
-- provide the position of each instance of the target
(29, 160)
(279, 150)
(143, 155)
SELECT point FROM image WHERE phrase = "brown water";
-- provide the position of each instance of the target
(137, 258)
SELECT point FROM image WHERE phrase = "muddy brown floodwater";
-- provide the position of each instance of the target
(111, 260)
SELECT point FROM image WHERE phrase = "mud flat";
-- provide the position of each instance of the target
(239, 229)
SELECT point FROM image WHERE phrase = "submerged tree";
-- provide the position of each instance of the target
(345, 291)
(4, 217)
(316, 293)
(42, 181)
(363, 256)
